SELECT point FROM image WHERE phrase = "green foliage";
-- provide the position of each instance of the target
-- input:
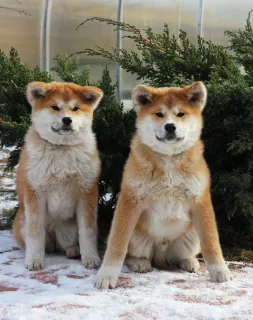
(162, 61)
(228, 139)
(241, 42)
(7, 218)
(69, 70)
(14, 108)
(114, 129)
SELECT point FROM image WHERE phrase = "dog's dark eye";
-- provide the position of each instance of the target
(159, 115)
(180, 114)
(55, 108)
(75, 109)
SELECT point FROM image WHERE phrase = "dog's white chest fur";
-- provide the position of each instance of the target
(169, 201)
(60, 173)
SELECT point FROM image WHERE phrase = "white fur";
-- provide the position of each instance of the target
(141, 246)
(169, 201)
(35, 252)
(49, 164)
(35, 244)
(107, 277)
(45, 122)
(219, 273)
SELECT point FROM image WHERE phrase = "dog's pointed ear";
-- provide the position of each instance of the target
(36, 91)
(91, 95)
(142, 96)
(196, 94)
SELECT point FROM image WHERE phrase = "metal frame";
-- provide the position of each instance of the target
(200, 17)
(118, 47)
(44, 34)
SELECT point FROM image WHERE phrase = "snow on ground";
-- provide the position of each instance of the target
(64, 290)
(7, 183)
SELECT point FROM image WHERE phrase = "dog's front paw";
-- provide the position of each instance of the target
(219, 273)
(106, 282)
(91, 262)
(106, 278)
(35, 264)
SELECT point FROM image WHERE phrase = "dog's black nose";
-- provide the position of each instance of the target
(67, 120)
(170, 127)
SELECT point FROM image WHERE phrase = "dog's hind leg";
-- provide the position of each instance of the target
(183, 251)
(73, 252)
(67, 237)
(50, 242)
(160, 252)
(140, 251)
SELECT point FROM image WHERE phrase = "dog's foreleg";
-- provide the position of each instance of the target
(87, 227)
(35, 206)
(205, 224)
(125, 219)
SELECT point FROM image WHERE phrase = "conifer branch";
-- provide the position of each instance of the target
(16, 10)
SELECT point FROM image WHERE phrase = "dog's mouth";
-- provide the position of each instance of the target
(169, 137)
(63, 130)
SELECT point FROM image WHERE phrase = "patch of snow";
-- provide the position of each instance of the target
(10, 204)
(7, 181)
(107, 196)
(6, 241)
(9, 148)
(64, 290)
(6, 202)
(3, 155)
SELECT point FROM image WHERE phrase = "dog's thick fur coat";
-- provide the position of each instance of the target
(164, 212)
(58, 174)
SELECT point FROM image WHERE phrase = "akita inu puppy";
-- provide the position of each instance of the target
(58, 175)
(164, 211)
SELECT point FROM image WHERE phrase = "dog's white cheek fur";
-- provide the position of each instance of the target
(44, 121)
(190, 130)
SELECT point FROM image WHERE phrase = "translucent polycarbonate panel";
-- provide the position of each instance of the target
(178, 14)
(23, 26)
(20, 28)
(64, 38)
(219, 16)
